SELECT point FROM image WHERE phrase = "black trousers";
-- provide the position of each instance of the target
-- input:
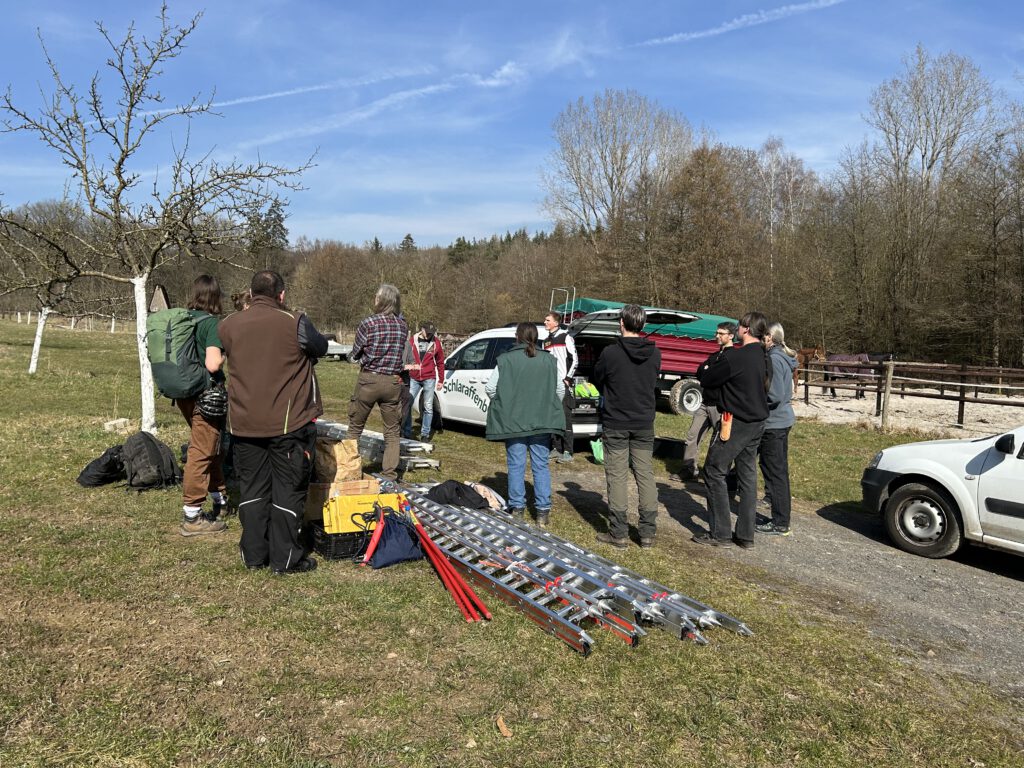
(775, 469)
(563, 442)
(741, 450)
(273, 477)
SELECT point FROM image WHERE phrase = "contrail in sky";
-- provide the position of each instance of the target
(741, 22)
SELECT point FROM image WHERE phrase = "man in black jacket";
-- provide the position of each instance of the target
(626, 375)
(740, 373)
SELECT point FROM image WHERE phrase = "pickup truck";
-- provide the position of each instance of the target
(935, 495)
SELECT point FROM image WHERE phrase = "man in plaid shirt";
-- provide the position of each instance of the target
(378, 348)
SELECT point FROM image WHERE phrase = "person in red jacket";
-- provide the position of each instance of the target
(428, 355)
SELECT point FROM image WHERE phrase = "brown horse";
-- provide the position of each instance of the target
(803, 356)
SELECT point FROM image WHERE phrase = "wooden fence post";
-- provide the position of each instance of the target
(889, 365)
(963, 394)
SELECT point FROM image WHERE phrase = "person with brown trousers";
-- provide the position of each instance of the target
(379, 348)
(203, 471)
(273, 400)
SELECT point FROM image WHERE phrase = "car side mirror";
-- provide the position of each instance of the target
(1005, 444)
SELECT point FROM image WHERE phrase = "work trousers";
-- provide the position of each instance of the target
(203, 470)
(741, 450)
(563, 441)
(704, 420)
(273, 477)
(385, 391)
(623, 448)
(774, 462)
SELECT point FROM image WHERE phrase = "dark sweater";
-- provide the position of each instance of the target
(739, 374)
(626, 374)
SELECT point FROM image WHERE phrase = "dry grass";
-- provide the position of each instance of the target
(125, 645)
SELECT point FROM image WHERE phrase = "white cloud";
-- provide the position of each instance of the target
(742, 22)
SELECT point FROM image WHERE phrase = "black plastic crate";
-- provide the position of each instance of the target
(338, 546)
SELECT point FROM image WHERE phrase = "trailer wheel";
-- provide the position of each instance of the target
(685, 397)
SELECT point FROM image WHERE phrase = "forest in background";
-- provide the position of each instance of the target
(914, 244)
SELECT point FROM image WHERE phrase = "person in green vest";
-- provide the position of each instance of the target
(525, 410)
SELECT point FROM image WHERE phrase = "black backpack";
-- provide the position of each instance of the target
(108, 468)
(148, 463)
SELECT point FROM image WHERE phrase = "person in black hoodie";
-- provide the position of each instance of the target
(626, 375)
(741, 374)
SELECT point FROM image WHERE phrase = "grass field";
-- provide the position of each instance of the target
(124, 644)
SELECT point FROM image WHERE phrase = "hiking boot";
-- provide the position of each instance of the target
(743, 543)
(222, 511)
(305, 565)
(565, 458)
(684, 475)
(607, 538)
(518, 514)
(646, 542)
(773, 530)
(764, 503)
(202, 525)
(554, 454)
(542, 517)
(711, 541)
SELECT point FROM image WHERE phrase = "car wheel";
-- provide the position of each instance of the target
(685, 397)
(923, 520)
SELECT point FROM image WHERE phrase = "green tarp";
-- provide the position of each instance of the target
(703, 327)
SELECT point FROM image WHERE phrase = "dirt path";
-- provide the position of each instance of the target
(963, 614)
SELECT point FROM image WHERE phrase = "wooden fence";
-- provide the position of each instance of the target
(963, 384)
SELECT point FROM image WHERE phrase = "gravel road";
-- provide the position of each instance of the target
(963, 614)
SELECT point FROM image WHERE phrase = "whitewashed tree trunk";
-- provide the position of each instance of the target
(74, 322)
(34, 360)
(113, 324)
(145, 370)
(19, 318)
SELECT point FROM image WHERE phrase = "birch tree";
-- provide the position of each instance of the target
(603, 148)
(198, 205)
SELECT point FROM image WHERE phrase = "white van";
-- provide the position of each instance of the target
(466, 371)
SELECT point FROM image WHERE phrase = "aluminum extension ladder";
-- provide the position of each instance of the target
(558, 584)
(371, 446)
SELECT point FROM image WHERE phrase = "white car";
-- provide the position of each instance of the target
(466, 371)
(934, 495)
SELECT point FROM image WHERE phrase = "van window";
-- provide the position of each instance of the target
(474, 356)
(501, 346)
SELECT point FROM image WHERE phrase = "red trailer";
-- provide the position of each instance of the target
(684, 338)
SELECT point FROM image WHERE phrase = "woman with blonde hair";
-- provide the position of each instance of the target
(774, 447)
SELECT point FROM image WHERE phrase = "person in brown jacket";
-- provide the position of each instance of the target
(273, 400)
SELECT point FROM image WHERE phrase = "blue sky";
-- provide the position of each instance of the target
(435, 118)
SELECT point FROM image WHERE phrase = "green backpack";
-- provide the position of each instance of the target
(178, 370)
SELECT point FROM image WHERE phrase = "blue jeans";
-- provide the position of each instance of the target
(515, 455)
(428, 386)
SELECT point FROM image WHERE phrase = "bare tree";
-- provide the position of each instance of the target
(198, 207)
(928, 121)
(604, 148)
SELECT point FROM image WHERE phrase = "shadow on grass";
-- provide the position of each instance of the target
(851, 515)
